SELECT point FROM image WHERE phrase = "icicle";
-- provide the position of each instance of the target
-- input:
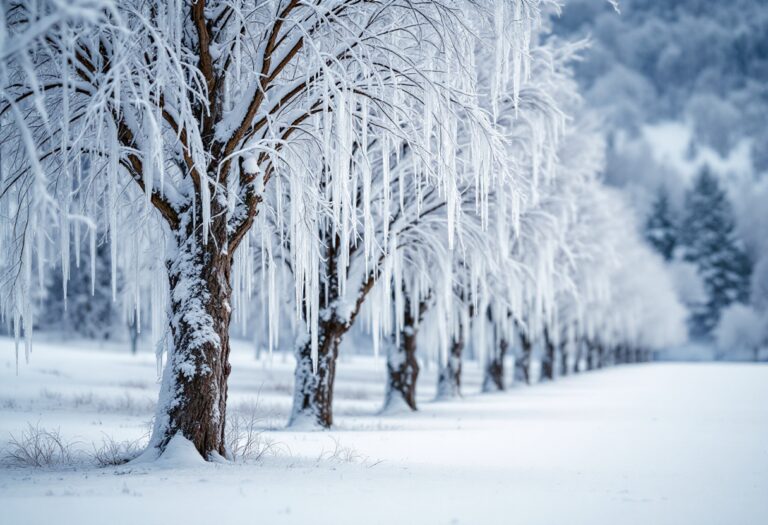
(64, 248)
(112, 211)
(499, 58)
(385, 182)
(27, 302)
(92, 246)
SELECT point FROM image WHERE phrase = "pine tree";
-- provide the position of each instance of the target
(710, 242)
(660, 228)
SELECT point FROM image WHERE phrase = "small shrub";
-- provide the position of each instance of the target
(345, 454)
(112, 452)
(38, 447)
(245, 437)
(340, 453)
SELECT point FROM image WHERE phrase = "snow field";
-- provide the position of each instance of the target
(656, 443)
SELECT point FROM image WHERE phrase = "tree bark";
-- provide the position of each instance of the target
(133, 334)
(313, 391)
(193, 395)
(402, 365)
(595, 352)
(549, 364)
(624, 354)
(566, 360)
(449, 375)
(582, 357)
(523, 364)
(494, 369)
(599, 353)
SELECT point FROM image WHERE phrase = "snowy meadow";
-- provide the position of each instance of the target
(662, 443)
(347, 261)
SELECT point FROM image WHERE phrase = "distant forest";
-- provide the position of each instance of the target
(700, 61)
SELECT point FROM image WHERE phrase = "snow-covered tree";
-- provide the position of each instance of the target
(402, 363)
(345, 161)
(189, 113)
(661, 227)
(395, 251)
(530, 125)
(709, 241)
(589, 282)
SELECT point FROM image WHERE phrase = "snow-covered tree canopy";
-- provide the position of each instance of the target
(541, 248)
(362, 159)
(199, 105)
(165, 123)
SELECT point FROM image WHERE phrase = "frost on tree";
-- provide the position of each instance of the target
(577, 276)
(193, 117)
(357, 234)
(661, 228)
(709, 240)
(371, 272)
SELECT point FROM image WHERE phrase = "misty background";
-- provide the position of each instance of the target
(682, 89)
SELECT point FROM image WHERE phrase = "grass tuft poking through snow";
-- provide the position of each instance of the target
(341, 453)
(113, 452)
(38, 447)
(245, 437)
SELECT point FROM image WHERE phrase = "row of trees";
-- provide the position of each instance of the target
(423, 168)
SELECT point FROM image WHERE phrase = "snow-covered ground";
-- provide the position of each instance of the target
(659, 443)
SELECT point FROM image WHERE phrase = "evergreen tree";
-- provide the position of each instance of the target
(660, 228)
(709, 241)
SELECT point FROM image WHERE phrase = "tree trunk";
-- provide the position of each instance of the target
(193, 396)
(567, 360)
(449, 375)
(613, 355)
(402, 372)
(313, 391)
(595, 356)
(626, 354)
(402, 366)
(600, 358)
(494, 369)
(582, 356)
(523, 364)
(549, 364)
(133, 333)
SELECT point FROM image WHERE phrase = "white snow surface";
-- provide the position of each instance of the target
(657, 443)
